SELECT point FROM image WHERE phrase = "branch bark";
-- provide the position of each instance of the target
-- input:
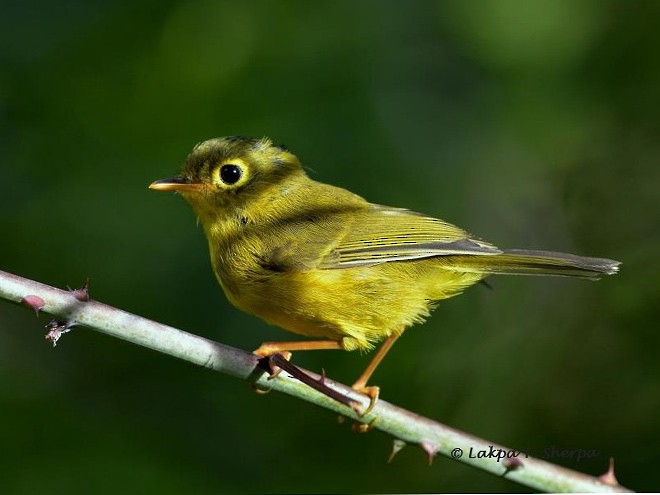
(404, 426)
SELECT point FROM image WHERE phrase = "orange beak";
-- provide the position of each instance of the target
(178, 183)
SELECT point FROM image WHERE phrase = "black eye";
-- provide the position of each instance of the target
(230, 174)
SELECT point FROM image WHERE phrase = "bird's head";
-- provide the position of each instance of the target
(232, 172)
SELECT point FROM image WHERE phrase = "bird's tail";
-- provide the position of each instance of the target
(524, 262)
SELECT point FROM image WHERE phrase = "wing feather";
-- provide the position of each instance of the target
(382, 234)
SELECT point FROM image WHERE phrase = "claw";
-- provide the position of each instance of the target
(261, 391)
(364, 427)
(372, 392)
(276, 370)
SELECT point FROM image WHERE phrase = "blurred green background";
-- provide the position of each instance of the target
(530, 124)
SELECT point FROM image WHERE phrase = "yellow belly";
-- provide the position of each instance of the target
(359, 306)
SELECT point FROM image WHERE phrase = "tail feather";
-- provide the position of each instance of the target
(524, 262)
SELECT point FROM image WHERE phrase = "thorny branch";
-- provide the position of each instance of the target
(69, 307)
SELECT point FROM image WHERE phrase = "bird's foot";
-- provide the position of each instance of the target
(372, 391)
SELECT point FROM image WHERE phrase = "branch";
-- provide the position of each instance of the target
(74, 308)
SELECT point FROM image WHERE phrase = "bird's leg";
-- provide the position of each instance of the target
(280, 352)
(361, 384)
(268, 349)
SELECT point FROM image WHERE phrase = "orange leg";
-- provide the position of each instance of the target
(270, 348)
(361, 384)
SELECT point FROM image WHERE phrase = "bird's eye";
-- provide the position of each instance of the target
(230, 174)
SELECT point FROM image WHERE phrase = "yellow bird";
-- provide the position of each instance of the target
(322, 262)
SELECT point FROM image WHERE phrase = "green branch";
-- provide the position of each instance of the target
(404, 426)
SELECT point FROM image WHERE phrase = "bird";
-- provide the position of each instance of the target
(325, 263)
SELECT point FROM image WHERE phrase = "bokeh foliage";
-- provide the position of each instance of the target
(531, 124)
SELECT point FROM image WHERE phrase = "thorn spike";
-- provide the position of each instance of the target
(33, 302)
(397, 446)
(81, 294)
(431, 449)
(512, 464)
(608, 477)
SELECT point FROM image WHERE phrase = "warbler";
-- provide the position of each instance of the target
(323, 262)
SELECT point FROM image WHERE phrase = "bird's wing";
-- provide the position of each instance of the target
(370, 236)
(383, 234)
(367, 236)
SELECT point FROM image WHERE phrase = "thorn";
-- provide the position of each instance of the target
(280, 361)
(56, 329)
(397, 446)
(609, 478)
(512, 464)
(34, 302)
(81, 294)
(431, 450)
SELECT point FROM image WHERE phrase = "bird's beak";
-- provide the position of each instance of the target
(178, 183)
